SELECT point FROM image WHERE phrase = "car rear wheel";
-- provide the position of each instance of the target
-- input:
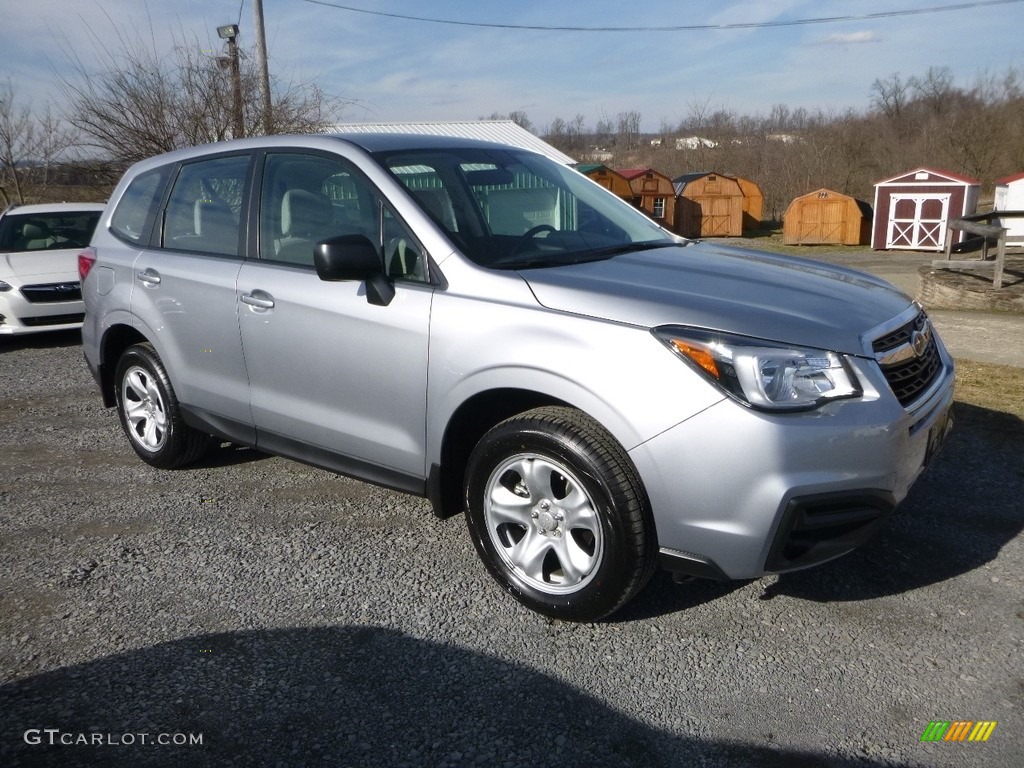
(150, 414)
(558, 514)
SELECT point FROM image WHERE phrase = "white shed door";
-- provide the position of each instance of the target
(918, 221)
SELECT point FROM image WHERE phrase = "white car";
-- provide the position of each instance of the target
(39, 247)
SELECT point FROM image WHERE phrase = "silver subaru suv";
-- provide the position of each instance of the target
(479, 325)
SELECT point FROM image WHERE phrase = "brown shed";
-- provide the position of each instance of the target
(753, 203)
(653, 194)
(826, 217)
(912, 210)
(708, 205)
(610, 179)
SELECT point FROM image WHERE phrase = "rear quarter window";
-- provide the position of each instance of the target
(136, 211)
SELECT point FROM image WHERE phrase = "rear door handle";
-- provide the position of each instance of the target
(149, 277)
(258, 299)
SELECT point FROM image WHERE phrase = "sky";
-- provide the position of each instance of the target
(394, 69)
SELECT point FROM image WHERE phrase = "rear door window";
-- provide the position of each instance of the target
(203, 213)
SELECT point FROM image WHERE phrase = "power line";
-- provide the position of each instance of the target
(681, 28)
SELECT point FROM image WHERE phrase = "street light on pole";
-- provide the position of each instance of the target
(229, 32)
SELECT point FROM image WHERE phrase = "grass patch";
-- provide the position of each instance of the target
(997, 388)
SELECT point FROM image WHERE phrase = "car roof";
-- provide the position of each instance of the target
(54, 208)
(388, 142)
(368, 142)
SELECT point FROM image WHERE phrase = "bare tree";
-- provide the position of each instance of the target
(137, 103)
(30, 144)
(628, 129)
(935, 90)
(16, 139)
(890, 96)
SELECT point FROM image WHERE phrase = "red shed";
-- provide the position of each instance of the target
(912, 210)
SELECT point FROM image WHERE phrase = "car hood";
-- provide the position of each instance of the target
(768, 296)
(41, 266)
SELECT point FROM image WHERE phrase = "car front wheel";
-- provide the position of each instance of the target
(558, 514)
(149, 411)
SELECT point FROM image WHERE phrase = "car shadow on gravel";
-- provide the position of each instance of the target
(664, 595)
(228, 455)
(48, 340)
(960, 514)
(345, 696)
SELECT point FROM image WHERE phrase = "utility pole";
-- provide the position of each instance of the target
(229, 32)
(264, 70)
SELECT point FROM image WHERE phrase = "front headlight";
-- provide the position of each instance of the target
(763, 374)
(5, 286)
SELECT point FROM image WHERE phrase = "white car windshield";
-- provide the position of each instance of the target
(47, 231)
(508, 209)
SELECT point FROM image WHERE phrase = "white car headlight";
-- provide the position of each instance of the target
(5, 286)
(764, 374)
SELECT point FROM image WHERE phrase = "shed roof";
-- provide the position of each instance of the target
(686, 178)
(632, 173)
(948, 175)
(1010, 179)
(864, 207)
(502, 131)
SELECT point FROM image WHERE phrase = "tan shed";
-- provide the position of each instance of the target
(708, 205)
(825, 217)
(653, 194)
(753, 203)
(611, 180)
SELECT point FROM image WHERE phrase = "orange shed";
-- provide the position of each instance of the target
(753, 203)
(653, 194)
(826, 217)
(611, 180)
(708, 205)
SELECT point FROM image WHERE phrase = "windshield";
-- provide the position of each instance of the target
(510, 209)
(47, 231)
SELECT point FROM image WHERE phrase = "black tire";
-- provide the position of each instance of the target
(149, 411)
(558, 514)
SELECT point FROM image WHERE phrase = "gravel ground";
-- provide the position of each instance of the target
(287, 616)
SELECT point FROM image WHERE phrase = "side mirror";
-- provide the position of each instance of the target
(354, 257)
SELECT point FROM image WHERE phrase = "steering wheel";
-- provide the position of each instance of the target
(528, 235)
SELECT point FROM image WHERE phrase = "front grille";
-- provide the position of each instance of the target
(910, 369)
(51, 293)
(52, 319)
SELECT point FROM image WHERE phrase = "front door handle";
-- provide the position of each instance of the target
(258, 299)
(149, 276)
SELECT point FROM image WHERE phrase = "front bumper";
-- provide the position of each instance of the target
(18, 315)
(737, 493)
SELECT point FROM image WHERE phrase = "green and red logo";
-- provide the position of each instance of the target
(958, 730)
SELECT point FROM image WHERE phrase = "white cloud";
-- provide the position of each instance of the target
(852, 38)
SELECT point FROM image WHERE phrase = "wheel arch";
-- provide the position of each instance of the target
(471, 419)
(116, 340)
(468, 423)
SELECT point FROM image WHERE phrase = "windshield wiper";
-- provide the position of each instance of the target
(565, 258)
(618, 250)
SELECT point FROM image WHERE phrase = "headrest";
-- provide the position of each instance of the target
(303, 212)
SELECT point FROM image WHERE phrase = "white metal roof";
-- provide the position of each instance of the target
(502, 131)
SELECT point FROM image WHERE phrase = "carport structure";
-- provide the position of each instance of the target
(912, 210)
